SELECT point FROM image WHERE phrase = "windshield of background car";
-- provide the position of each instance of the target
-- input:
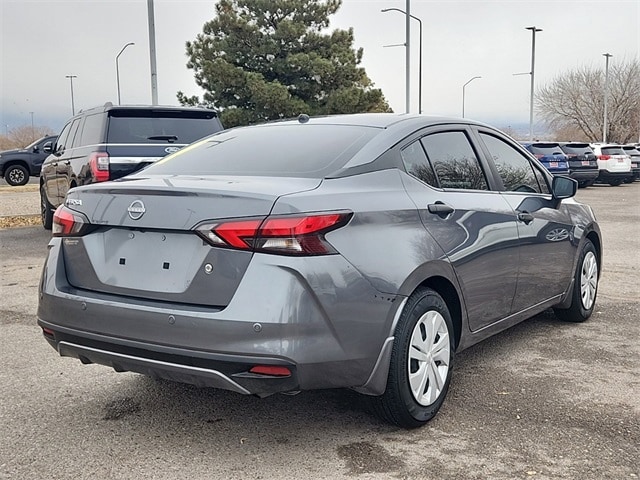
(288, 150)
(160, 126)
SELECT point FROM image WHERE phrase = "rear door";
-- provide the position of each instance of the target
(545, 229)
(474, 225)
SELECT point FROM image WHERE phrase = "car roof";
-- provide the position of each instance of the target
(111, 107)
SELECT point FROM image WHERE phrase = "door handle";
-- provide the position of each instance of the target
(525, 217)
(440, 209)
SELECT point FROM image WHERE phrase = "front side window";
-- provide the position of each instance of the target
(62, 139)
(515, 170)
(454, 161)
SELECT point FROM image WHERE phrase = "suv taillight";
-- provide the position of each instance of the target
(286, 235)
(99, 163)
(67, 223)
(604, 157)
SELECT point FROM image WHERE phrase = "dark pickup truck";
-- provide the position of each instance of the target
(17, 165)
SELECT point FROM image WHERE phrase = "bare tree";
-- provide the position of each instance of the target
(573, 103)
(20, 137)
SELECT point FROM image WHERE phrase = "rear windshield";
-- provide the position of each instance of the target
(546, 149)
(160, 126)
(290, 150)
(631, 151)
(577, 149)
(612, 151)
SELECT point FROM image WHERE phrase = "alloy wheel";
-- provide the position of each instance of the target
(588, 280)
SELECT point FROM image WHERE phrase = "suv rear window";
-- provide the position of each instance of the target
(577, 148)
(612, 151)
(546, 149)
(289, 150)
(160, 126)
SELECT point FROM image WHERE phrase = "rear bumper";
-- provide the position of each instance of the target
(584, 175)
(283, 314)
(606, 176)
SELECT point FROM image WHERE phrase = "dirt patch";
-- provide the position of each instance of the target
(13, 221)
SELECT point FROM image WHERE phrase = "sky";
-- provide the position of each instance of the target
(43, 41)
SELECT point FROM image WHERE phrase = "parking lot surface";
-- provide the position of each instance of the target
(543, 400)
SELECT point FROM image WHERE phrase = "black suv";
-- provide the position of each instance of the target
(17, 165)
(112, 141)
(583, 162)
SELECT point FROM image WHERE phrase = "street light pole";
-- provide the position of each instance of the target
(118, 69)
(419, 54)
(152, 53)
(463, 87)
(606, 96)
(533, 67)
(73, 108)
(33, 130)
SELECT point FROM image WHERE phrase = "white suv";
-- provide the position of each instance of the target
(613, 163)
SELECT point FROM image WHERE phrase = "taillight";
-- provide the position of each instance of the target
(287, 235)
(604, 157)
(67, 223)
(99, 163)
(539, 156)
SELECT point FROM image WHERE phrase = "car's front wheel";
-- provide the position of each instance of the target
(585, 287)
(421, 362)
(16, 175)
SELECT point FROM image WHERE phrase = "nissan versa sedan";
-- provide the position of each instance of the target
(358, 251)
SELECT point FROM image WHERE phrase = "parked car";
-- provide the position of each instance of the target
(357, 251)
(550, 155)
(112, 141)
(634, 153)
(583, 163)
(613, 163)
(17, 165)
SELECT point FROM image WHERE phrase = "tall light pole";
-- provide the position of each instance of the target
(419, 54)
(533, 69)
(606, 96)
(152, 53)
(71, 77)
(118, 69)
(463, 87)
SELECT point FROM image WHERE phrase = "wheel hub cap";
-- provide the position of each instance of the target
(588, 280)
(429, 358)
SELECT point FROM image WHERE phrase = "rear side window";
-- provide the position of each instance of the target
(290, 150)
(454, 161)
(92, 131)
(417, 164)
(515, 170)
(151, 126)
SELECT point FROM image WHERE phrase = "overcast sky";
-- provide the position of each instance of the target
(43, 41)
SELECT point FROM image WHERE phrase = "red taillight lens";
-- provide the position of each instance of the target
(67, 223)
(604, 157)
(99, 163)
(539, 156)
(288, 235)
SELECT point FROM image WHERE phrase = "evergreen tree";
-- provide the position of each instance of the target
(262, 60)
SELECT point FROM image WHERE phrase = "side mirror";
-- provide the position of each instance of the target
(47, 147)
(36, 149)
(563, 187)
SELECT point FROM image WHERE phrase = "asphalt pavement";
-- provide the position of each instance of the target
(543, 400)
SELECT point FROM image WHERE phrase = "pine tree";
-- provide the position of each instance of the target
(262, 60)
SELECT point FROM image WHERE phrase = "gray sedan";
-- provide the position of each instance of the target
(358, 251)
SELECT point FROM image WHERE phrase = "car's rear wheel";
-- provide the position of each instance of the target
(615, 183)
(46, 210)
(421, 362)
(16, 175)
(585, 287)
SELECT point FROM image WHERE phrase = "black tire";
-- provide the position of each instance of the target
(615, 183)
(585, 287)
(16, 175)
(46, 210)
(399, 404)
